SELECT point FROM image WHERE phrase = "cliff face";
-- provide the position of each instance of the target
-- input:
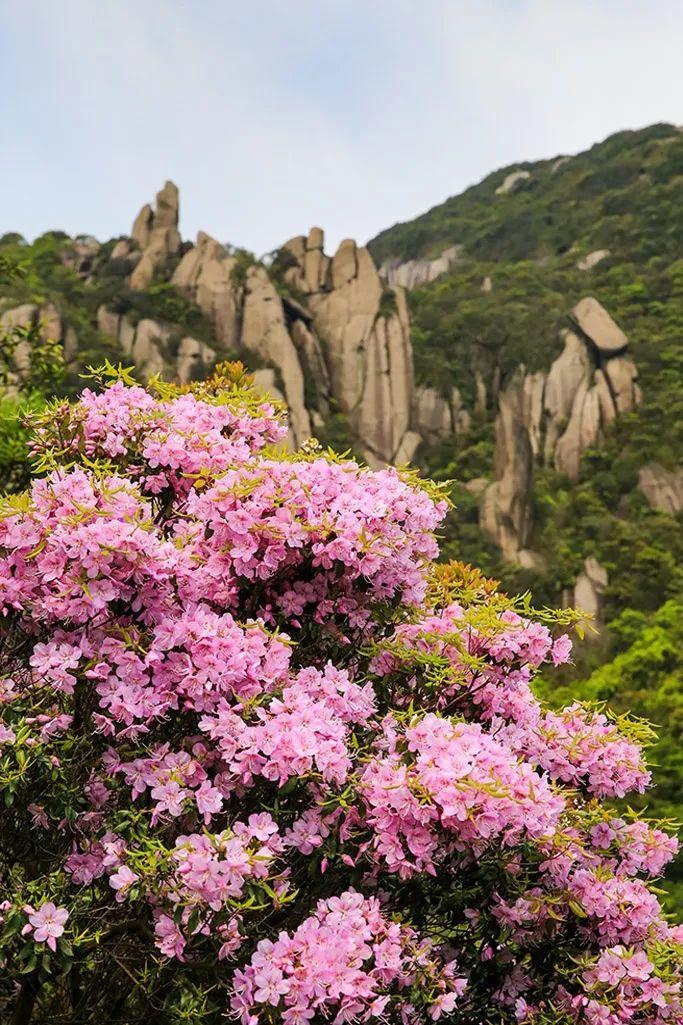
(553, 418)
(329, 336)
(334, 335)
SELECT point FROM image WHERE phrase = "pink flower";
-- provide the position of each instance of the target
(209, 801)
(168, 937)
(48, 923)
(121, 881)
(561, 650)
(7, 735)
(443, 1004)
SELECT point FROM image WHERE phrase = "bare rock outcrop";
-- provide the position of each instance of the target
(143, 343)
(505, 510)
(566, 373)
(79, 254)
(591, 260)
(336, 334)
(124, 249)
(595, 324)
(156, 232)
(365, 331)
(26, 315)
(265, 379)
(52, 326)
(310, 267)
(145, 346)
(553, 418)
(589, 587)
(264, 332)
(410, 442)
(142, 226)
(588, 386)
(411, 273)
(432, 415)
(560, 162)
(205, 277)
(662, 488)
(532, 396)
(437, 417)
(313, 365)
(511, 182)
(621, 375)
(194, 359)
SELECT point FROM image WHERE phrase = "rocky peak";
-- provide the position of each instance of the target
(365, 330)
(205, 277)
(142, 226)
(156, 233)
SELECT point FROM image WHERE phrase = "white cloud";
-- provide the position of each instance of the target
(273, 116)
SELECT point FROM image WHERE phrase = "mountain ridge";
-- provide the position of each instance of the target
(419, 235)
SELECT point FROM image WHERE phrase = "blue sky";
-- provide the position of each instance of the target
(273, 115)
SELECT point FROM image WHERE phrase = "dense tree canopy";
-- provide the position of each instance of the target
(260, 755)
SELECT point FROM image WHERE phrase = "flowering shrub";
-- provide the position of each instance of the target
(259, 756)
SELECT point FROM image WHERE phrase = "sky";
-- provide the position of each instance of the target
(275, 115)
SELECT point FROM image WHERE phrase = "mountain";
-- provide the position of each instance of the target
(523, 339)
(616, 195)
(324, 334)
(557, 321)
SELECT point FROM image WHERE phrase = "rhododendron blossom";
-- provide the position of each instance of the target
(260, 757)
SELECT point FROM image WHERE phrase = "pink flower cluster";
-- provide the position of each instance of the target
(347, 959)
(586, 749)
(487, 677)
(305, 729)
(224, 699)
(485, 668)
(348, 528)
(454, 787)
(165, 443)
(624, 986)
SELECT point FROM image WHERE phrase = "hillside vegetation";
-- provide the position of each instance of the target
(624, 195)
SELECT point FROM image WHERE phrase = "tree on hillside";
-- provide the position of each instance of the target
(261, 756)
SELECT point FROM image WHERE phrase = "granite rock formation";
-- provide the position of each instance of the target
(511, 181)
(53, 327)
(555, 416)
(590, 586)
(411, 273)
(505, 510)
(156, 233)
(662, 488)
